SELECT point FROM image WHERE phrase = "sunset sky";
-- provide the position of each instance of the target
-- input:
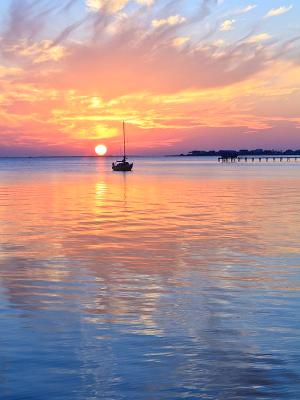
(183, 74)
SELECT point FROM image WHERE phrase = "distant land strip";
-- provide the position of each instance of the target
(242, 152)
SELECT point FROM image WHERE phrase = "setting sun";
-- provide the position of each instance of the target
(101, 149)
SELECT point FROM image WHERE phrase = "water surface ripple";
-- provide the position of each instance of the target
(179, 280)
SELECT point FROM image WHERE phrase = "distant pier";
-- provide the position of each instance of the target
(234, 159)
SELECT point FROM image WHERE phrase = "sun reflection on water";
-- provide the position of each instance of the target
(179, 284)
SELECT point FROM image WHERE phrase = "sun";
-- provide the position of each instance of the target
(101, 149)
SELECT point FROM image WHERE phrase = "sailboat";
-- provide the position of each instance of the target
(122, 165)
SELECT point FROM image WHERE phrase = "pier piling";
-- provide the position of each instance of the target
(239, 159)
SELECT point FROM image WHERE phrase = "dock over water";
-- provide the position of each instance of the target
(234, 159)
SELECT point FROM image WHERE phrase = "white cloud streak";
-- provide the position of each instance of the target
(259, 38)
(274, 12)
(248, 8)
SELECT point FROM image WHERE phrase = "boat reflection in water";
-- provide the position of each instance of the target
(123, 165)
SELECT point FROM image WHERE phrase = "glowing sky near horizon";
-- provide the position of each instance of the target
(184, 75)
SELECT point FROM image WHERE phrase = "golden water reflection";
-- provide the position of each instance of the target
(209, 263)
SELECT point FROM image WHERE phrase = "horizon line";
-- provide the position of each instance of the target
(188, 154)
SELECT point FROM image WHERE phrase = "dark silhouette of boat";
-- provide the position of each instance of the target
(122, 165)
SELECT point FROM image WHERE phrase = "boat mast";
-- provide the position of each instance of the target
(124, 140)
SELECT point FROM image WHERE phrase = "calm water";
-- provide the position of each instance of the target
(177, 281)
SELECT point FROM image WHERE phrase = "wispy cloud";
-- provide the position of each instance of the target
(259, 38)
(172, 21)
(227, 25)
(246, 9)
(112, 6)
(179, 41)
(274, 12)
(37, 52)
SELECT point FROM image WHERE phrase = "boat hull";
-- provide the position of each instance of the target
(122, 167)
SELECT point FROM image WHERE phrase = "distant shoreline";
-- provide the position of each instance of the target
(236, 153)
(194, 153)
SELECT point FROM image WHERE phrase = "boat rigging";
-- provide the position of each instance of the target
(123, 165)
